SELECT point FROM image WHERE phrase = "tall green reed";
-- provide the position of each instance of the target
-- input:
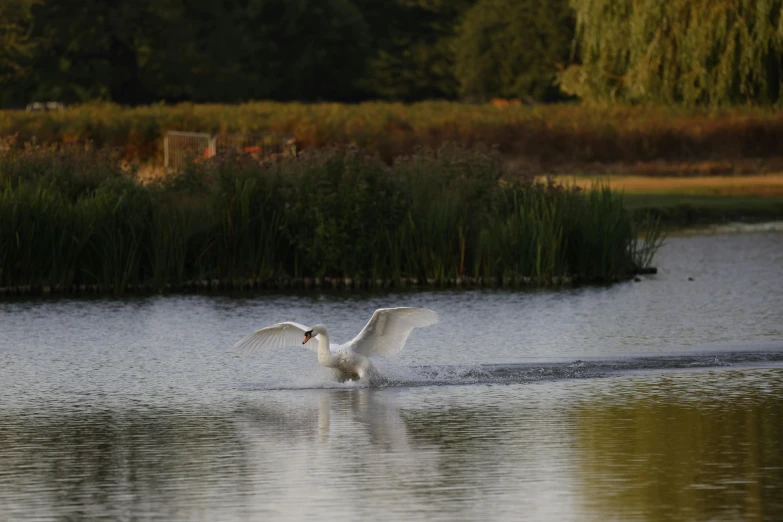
(121, 213)
(247, 234)
(527, 234)
(434, 216)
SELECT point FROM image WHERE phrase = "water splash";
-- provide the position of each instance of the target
(390, 375)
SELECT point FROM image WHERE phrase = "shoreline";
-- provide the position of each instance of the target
(315, 283)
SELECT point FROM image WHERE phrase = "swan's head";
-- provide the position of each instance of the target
(317, 329)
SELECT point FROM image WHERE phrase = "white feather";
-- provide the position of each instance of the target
(280, 335)
(388, 329)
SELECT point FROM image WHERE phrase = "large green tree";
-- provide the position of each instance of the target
(694, 52)
(320, 47)
(88, 49)
(254, 49)
(142, 51)
(139, 51)
(513, 48)
(412, 55)
(17, 47)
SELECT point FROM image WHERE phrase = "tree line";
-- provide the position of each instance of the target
(694, 52)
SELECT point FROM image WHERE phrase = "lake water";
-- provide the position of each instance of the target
(652, 400)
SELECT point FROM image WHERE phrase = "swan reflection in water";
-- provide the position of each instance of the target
(369, 416)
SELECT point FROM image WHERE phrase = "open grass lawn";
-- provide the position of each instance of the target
(687, 209)
(696, 199)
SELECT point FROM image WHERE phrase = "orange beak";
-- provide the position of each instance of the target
(308, 336)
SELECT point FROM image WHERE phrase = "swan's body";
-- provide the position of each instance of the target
(384, 334)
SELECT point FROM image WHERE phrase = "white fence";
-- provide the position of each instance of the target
(45, 106)
(181, 148)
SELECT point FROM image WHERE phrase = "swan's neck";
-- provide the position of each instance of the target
(324, 353)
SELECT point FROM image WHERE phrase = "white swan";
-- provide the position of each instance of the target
(385, 334)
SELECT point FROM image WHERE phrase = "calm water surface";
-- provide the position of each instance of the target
(656, 400)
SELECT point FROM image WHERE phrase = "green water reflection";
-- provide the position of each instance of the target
(658, 449)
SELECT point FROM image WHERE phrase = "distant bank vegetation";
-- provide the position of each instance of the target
(71, 219)
(685, 80)
(543, 135)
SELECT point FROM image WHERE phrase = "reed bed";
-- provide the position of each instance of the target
(77, 220)
(563, 133)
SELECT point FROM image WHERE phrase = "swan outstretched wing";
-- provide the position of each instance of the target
(280, 335)
(389, 328)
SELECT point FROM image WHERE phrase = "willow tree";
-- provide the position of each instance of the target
(695, 52)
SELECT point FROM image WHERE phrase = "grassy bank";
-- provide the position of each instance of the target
(685, 201)
(538, 136)
(71, 218)
(682, 210)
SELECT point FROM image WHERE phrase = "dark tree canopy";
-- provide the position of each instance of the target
(16, 46)
(138, 51)
(412, 56)
(693, 52)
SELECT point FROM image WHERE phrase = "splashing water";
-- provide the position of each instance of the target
(392, 375)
